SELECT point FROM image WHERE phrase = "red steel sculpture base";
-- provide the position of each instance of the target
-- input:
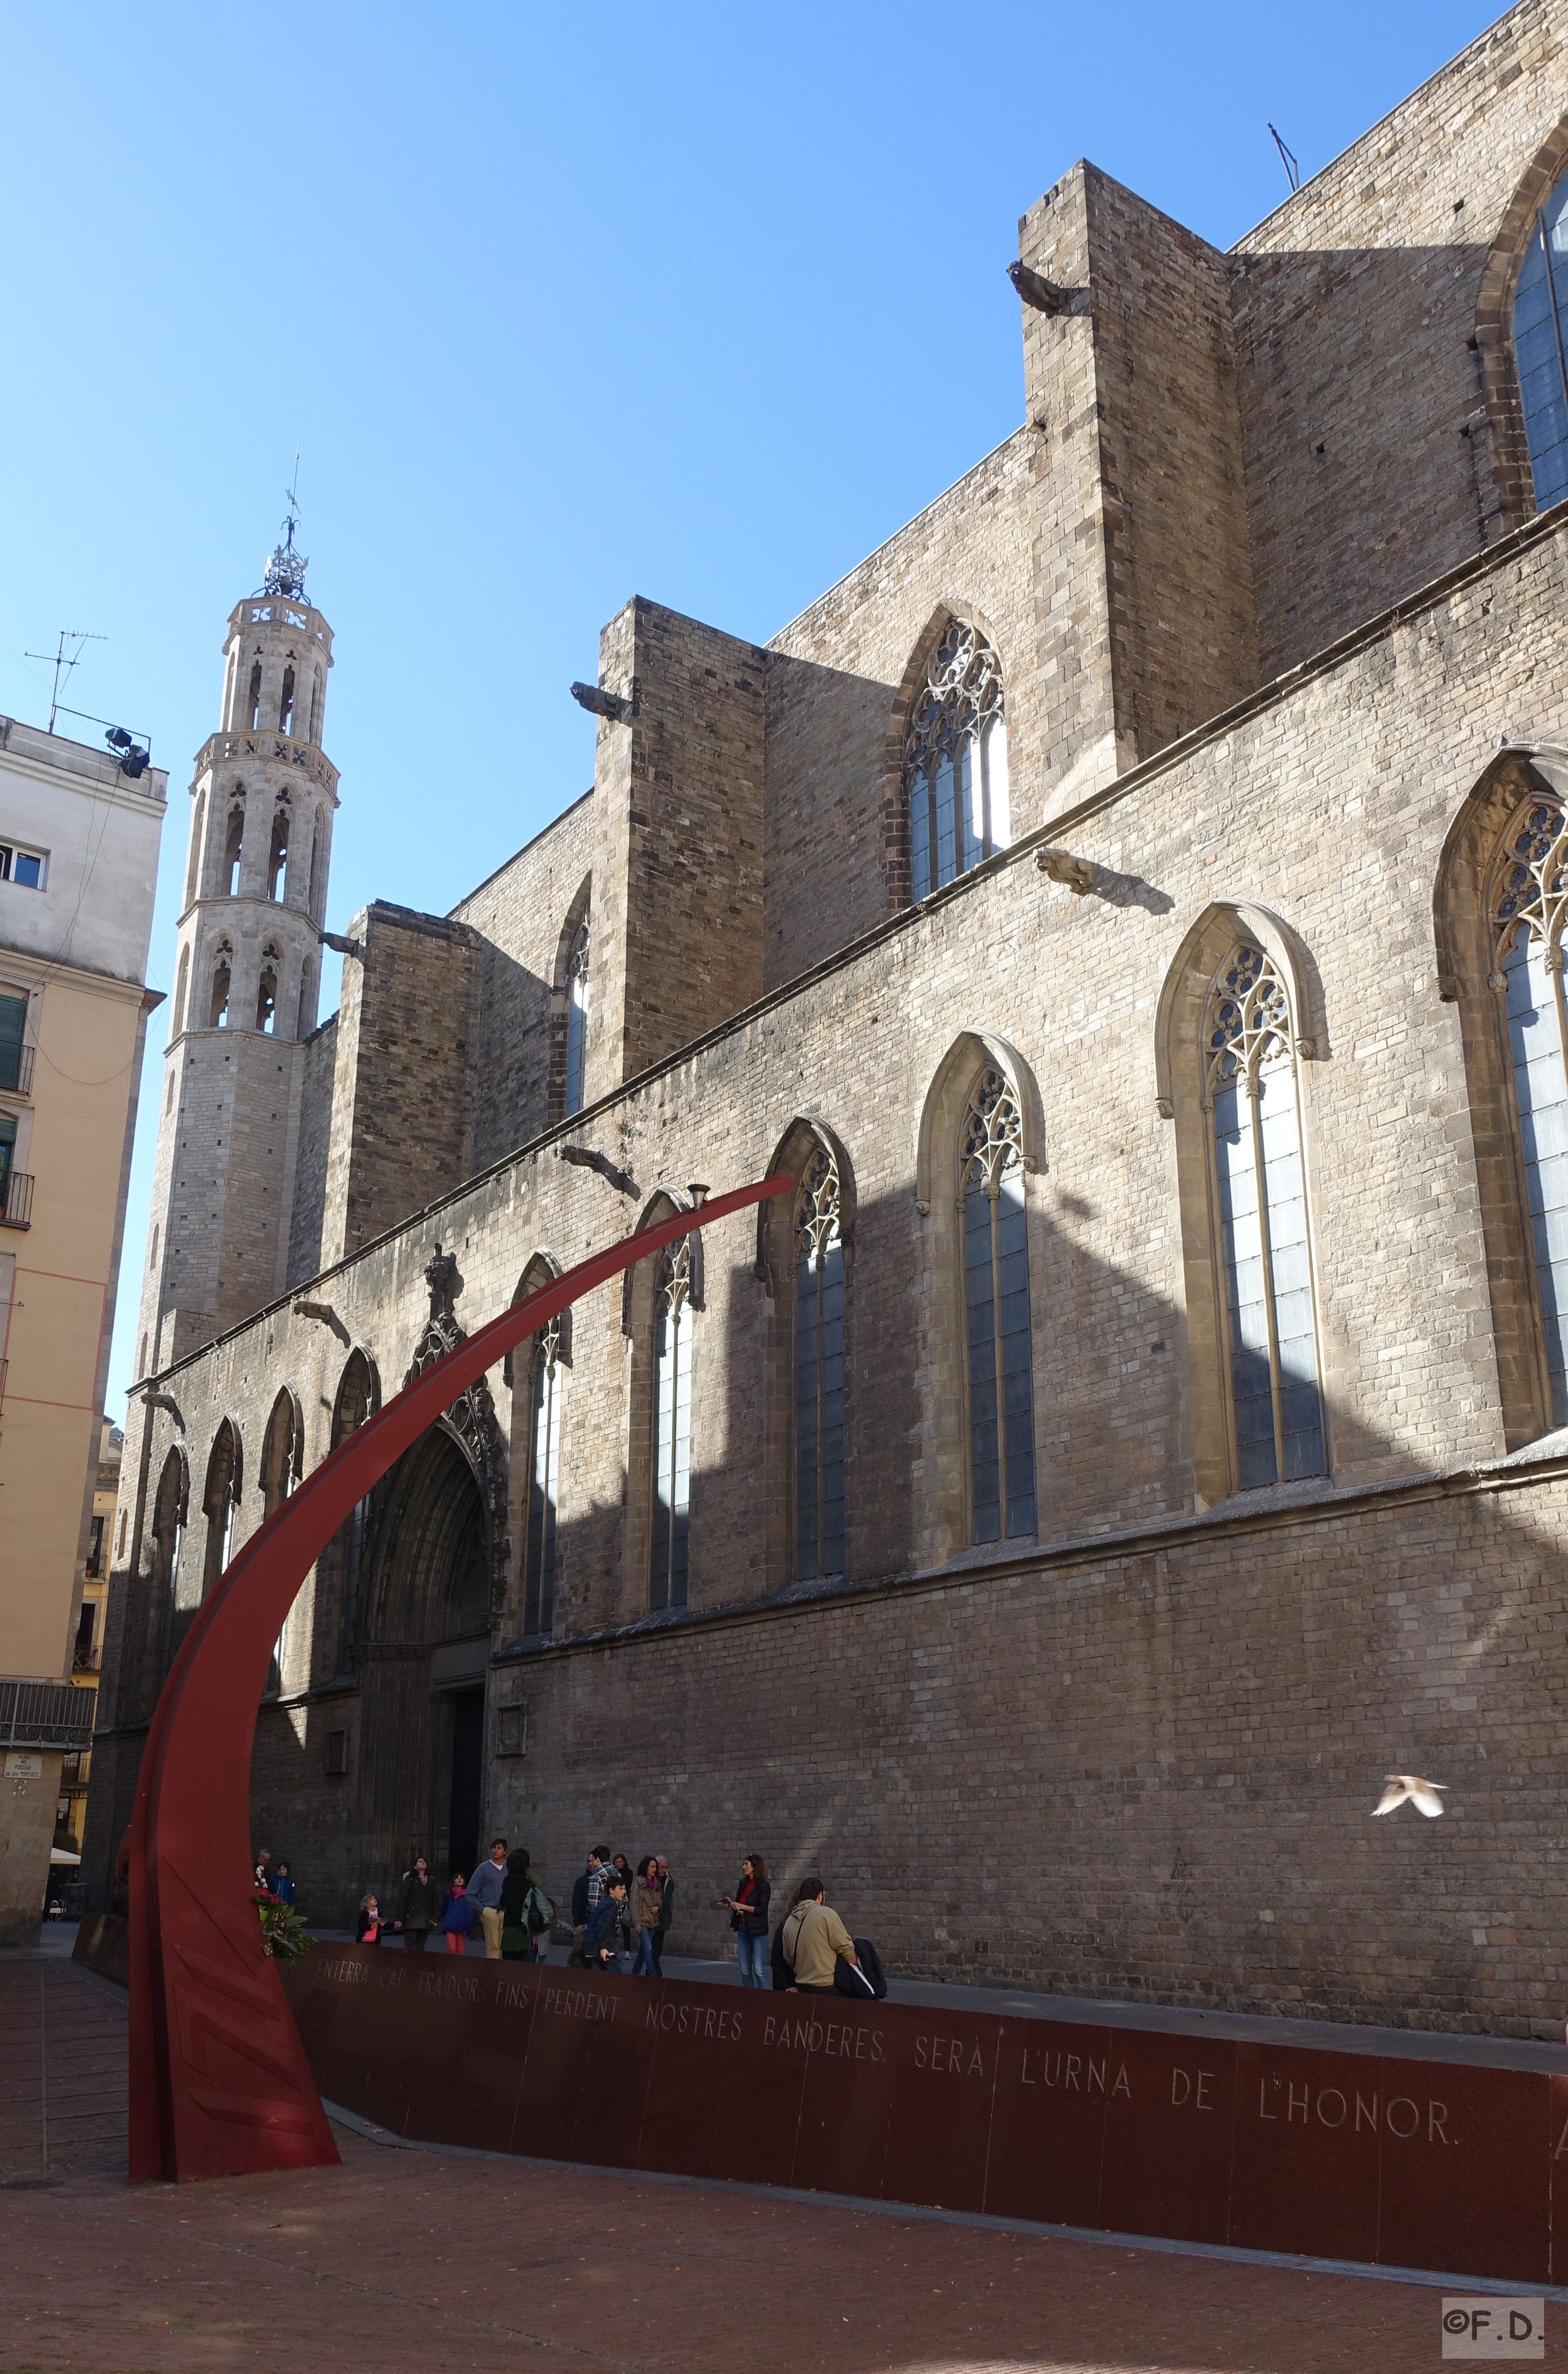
(219, 2082)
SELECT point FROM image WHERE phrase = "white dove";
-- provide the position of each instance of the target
(1423, 1794)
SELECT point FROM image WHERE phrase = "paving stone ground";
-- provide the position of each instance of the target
(404, 2258)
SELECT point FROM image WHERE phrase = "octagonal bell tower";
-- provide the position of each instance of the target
(247, 976)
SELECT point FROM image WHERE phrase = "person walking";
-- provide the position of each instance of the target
(370, 1923)
(666, 1921)
(456, 1915)
(526, 1912)
(603, 1937)
(645, 1903)
(748, 1919)
(587, 1892)
(484, 1891)
(814, 1937)
(419, 1902)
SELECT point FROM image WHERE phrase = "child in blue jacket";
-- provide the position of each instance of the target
(456, 1917)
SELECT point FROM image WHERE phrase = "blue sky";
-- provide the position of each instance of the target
(561, 306)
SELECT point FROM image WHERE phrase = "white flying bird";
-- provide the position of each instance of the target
(1423, 1794)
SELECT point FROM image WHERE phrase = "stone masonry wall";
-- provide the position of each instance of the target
(318, 1064)
(520, 913)
(1369, 449)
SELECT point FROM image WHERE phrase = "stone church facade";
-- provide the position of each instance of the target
(1130, 905)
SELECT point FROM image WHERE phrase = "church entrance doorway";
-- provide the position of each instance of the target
(467, 1780)
(421, 1659)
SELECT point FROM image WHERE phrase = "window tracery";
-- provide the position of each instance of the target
(1250, 1092)
(1541, 351)
(672, 1424)
(999, 1366)
(222, 975)
(234, 843)
(266, 989)
(577, 1018)
(819, 1370)
(544, 1469)
(1527, 906)
(956, 762)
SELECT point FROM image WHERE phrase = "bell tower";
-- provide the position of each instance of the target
(247, 975)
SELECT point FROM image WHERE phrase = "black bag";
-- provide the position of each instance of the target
(866, 1984)
(541, 1912)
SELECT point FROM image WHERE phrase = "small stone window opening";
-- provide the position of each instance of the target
(307, 999)
(277, 855)
(266, 995)
(577, 1019)
(335, 1757)
(1527, 904)
(511, 1730)
(255, 696)
(234, 848)
(998, 1374)
(217, 1013)
(543, 1486)
(956, 762)
(315, 707)
(672, 1424)
(182, 986)
(286, 705)
(315, 863)
(1540, 348)
(1260, 1223)
(818, 1372)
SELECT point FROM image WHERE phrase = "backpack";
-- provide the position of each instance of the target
(539, 1910)
(866, 1984)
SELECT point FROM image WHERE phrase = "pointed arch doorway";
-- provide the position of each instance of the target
(421, 1659)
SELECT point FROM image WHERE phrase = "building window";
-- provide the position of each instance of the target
(1525, 907)
(999, 1364)
(277, 855)
(184, 984)
(255, 696)
(220, 1503)
(222, 976)
(672, 1424)
(577, 1018)
(14, 1063)
(26, 867)
(1540, 303)
(233, 848)
(286, 706)
(543, 1472)
(193, 863)
(1261, 1224)
(956, 762)
(315, 707)
(307, 999)
(819, 1371)
(266, 990)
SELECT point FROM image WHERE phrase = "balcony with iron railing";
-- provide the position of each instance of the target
(15, 1200)
(15, 1071)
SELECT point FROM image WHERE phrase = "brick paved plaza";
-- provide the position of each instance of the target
(403, 2257)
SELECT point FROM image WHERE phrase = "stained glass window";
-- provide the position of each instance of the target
(1541, 305)
(544, 1468)
(1260, 1198)
(672, 1424)
(999, 1364)
(956, 762)
(576, 1017)
(819, 1371)
(1529, 893)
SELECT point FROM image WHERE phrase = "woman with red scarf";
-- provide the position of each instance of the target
(748, 1919)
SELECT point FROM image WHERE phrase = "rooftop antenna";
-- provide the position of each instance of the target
(1288, 159)
(63, 665)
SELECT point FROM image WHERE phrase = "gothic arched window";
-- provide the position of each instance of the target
(672, 1424)
(222, 977)
(1261, 1224)
(1527, 902)
(266, 990)
(193, 860)
(167, 1532)
(219, 1501)
(234, 848)
(282, 1453)
(307, 999)
(343, 1566)
(286, 706)
(955, 768)
(818, 1372)
(543, 1479)
(315, 707)
(255, 696)
(1541, 316)
(182, 985)
(277, 855)
(998, 1377)
(577, 1018)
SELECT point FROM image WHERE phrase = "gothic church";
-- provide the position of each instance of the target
(1130, 904)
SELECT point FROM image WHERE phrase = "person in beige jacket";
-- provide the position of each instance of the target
(814, 1938)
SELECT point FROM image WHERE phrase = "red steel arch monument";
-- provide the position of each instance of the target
(219, 2082)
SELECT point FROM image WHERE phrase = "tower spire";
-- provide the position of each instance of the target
(285, 570)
